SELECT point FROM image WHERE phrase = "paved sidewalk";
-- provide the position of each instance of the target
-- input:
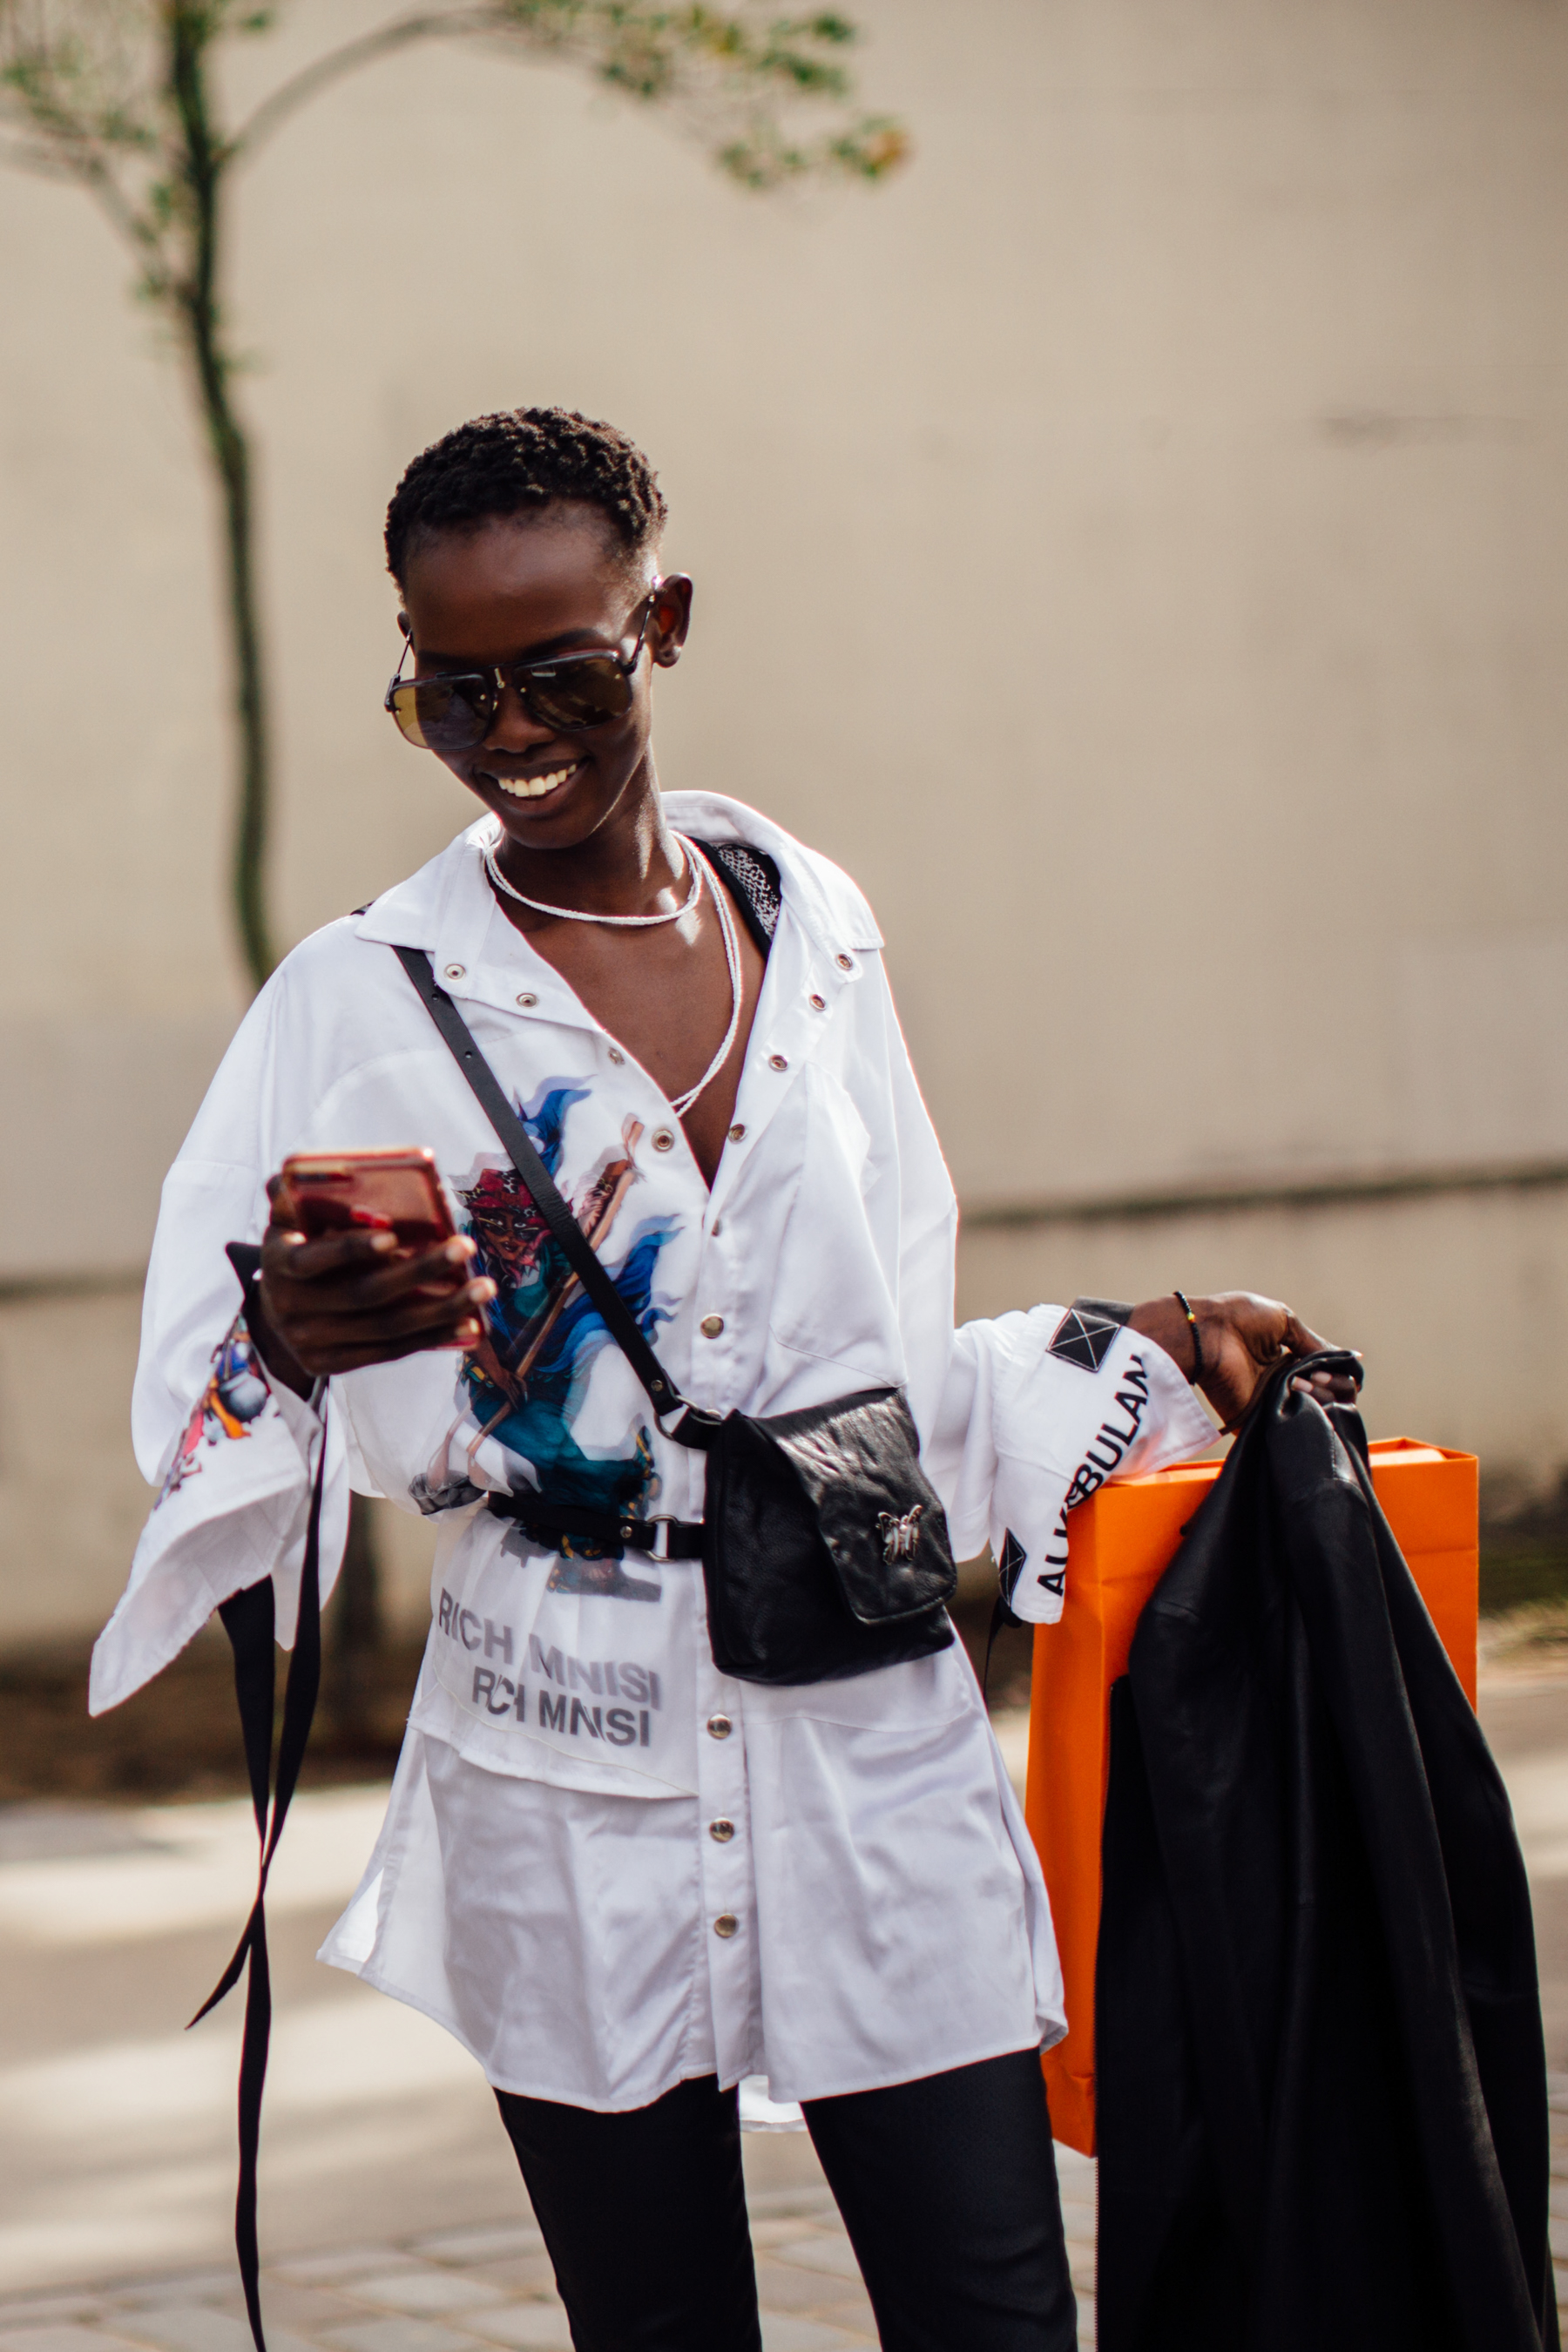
(473, 2291)
(477, 2290)
(389, 2194)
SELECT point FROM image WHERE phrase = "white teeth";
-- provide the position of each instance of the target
(533, 788)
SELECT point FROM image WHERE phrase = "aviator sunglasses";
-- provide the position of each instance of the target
(455, 709)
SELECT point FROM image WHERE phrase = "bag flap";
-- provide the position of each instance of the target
(877, 1512)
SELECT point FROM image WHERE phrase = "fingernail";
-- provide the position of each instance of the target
(468, 1330)
(384, 1242)
(483, 1288)
(460, 1251)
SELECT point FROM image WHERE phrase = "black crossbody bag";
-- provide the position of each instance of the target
(824, 1547)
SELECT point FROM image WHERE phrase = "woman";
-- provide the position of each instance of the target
(625, 1880)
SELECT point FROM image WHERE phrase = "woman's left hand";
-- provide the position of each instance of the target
(1243, 1338)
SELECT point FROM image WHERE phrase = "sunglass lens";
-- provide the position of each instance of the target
(442, 714)
(578, 693)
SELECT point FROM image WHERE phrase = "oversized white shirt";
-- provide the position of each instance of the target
(605, 1866)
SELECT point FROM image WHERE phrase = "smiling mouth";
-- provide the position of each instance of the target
(533, 788)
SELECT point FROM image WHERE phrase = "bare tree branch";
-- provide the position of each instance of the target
(44, 163)
(424, 25)
(74, 160)
(111, 199)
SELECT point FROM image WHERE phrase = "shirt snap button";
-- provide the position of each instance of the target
(818, 1003)
(722, 1830)
(720, 1727)
(527, 998)
(738, 1132)
(663, 1140)
(617, 1055)
(710, 1325)
(845, 963)
(456, 970)
(777, 1062)
(726, 1924)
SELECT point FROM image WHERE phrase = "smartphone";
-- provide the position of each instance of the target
(394, 1189)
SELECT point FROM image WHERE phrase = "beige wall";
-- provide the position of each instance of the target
(1133, 542)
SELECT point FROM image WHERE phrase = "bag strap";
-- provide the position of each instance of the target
(564, 1230)
(753, 879)
(247, 1620)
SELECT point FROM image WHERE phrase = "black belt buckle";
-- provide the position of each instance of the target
(651, 1537)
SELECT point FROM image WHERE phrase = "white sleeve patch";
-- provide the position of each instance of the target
(1129, 1410)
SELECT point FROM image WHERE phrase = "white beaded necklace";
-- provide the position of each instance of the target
(579, 914)
(681, 1104)
(700, 871)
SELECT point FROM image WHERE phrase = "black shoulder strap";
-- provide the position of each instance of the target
(567, 1233)
(247, 1620)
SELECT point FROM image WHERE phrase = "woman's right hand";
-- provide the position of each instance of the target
(348, 1299)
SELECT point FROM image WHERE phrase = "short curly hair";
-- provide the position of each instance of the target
(519, 460)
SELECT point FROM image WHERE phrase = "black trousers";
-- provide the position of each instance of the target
(947, 2186)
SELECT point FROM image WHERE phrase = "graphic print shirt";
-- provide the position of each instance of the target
(820, 1263)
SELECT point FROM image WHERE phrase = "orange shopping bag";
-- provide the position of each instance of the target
(1120, 1543)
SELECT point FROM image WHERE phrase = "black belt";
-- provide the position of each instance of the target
(544, 1523)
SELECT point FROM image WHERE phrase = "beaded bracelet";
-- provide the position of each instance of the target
(1184, 1303)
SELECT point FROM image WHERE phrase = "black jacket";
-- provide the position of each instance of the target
(1320, 2077)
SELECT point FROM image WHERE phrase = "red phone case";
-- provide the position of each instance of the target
(396, 1187)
